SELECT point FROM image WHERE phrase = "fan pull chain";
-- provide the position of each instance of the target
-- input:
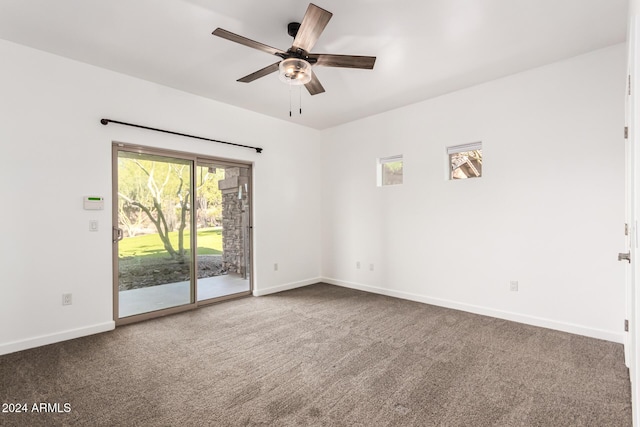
(291, 100)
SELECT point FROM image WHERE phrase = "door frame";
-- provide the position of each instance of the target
(194, 158)
(632, 192)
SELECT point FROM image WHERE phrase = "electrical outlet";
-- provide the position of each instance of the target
(513, 286)
(358, 265)
(275, 267)
(66, 299)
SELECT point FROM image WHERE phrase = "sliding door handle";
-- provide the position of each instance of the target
(118, 234)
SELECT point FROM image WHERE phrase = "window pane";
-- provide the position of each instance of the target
(466, 164)
(392, 173)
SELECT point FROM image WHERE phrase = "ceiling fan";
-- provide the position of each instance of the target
(295, 64)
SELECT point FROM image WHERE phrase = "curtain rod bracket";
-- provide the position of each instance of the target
(107, 121)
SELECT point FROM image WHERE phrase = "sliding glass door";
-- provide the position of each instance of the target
(154, 232)
(224, 230)
(165, 204)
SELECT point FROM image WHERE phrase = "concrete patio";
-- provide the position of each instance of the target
(144, 300)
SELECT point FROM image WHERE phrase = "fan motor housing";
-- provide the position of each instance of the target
(292, 29)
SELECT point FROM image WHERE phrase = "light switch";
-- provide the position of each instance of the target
(93, 225)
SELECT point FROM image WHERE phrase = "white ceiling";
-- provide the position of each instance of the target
(425, 48)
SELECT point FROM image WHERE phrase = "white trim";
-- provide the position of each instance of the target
(630, 211)
(464, 147)
(617, 337)
(390, 159)
(287, 286)
(572, 328)
(70, 334)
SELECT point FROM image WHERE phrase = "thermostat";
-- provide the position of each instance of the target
(93, 203)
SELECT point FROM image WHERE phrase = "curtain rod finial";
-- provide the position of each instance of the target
(104, 121)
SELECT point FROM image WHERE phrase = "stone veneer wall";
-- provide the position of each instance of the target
(234, 219)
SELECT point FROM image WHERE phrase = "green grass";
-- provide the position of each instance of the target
(150, 245)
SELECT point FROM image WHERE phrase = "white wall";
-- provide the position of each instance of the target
(53, 151)
(548, 211)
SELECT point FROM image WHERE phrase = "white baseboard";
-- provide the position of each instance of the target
(287, 286)
(41, 340)
(572, 328)
(617, 337)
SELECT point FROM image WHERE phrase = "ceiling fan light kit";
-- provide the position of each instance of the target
(295, 64)
(295, 71)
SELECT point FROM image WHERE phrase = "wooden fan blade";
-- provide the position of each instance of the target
(260, 73)
(313, 23)
(344, 61)
(247, 42)
(314, 86)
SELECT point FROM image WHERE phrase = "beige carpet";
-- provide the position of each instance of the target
(322, 355)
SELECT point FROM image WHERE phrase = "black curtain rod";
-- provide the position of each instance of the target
(107, 121)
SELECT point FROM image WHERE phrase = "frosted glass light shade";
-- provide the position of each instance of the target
(295, 71)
